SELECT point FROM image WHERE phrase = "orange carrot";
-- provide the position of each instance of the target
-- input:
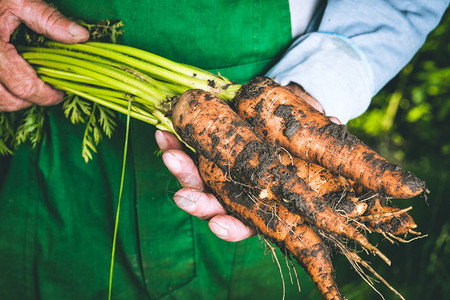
(321, 180)
(338, 191)
(214, 130)
(290, 122)
(386, 219)
(281, 227)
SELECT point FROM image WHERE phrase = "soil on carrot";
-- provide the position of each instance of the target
(285, 119)
(287, 231)
(291, 124)
(340, 201)
(211, 83)
(251, 161)
(241, 194)
(255, 87)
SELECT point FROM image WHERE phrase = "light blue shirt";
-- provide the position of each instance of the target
(354, 47)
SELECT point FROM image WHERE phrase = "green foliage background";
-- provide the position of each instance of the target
(409, 123)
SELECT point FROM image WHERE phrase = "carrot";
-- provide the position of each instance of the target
(286, 230)
(387, 220)
(321, 180)
(338, 191)
(287, 120)
(214, 130)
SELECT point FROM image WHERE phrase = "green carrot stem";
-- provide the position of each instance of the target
(97, 59)
(143, 111)
(85, 88)
(104, 72)
(112, 99)
(122, 179)
(162, 62)
(70, 76)
(65, 52)
(136, 112)
(166, 122)
(176, 88)
(119, 82)
(115, 100)
(162, 87)
(158, 72)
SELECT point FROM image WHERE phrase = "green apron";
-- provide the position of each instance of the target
(57, 213)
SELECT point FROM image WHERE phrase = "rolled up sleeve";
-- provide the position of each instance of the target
(357, 47)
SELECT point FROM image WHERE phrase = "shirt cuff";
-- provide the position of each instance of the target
(332, 70)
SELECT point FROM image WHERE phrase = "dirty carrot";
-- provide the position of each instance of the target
(321, 180)
(143, 85)
(338, 191)
(286, 230)
(271, 109)
(215, 131)
(289, 121)
(387, 220)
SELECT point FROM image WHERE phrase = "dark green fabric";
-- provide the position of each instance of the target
(57, 213)
(240, 38)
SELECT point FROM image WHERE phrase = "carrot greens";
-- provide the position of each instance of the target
(100, 78)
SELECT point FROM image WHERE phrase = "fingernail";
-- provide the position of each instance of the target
(219, 230)
(76, 30)
(161, 140)
(186, 203)
(172, 162)
(335, 120)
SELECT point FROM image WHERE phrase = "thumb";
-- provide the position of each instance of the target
(44, 19)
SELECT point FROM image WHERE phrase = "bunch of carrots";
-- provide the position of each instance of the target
(304, 183)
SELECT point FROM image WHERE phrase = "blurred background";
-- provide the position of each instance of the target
(409, 123)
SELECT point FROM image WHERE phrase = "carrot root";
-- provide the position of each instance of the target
(286, 230)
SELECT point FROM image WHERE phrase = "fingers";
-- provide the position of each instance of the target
(167, 141)
(300, 92)
(199, 204)
(184, 169)
(206, 207)
(20, 87)
(193, 198)
(10, 102)
(20, 82)
(8, 24)
(44, 19)
(230, 229)
(334, 120)
(178, 162)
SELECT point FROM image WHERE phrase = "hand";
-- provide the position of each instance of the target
(194, 197)
(19, 85)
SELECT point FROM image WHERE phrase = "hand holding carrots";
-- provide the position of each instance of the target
(194, 197)
(19, 85)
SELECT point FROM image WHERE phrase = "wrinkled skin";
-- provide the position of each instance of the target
(194, 196)
(19, 85)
